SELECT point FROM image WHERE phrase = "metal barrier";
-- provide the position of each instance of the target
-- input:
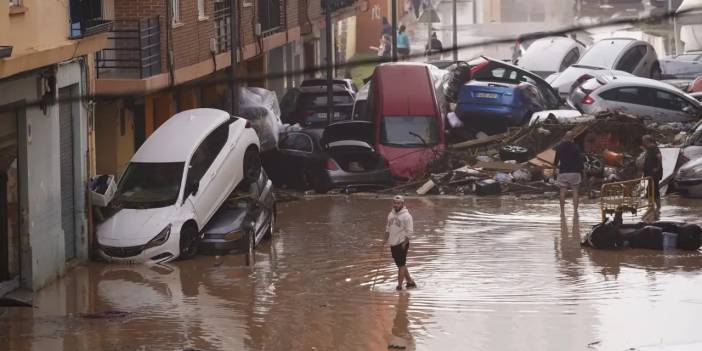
(627, 196)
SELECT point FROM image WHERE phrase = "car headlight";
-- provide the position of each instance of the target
(161, 238)
(233, 236)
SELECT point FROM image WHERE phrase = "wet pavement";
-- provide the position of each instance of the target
(493, 274)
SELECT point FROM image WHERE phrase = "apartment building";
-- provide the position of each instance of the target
(45, 50)
(165, 56)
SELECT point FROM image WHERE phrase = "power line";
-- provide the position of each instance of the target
(651, 19)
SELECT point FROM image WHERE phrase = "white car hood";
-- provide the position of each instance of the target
(564, 81)
(688, 167)
(134, 227)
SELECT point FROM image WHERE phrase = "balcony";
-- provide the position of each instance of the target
(87, 18)
(222, 26)
(270, 16)
(134, 50)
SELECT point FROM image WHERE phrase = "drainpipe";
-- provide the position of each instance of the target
(169, 46)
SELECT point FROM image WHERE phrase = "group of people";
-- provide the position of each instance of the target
(384, 48)
(570, 163)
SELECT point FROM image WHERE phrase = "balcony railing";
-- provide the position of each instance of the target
(87, 18)
(134, 50)
(270, 15)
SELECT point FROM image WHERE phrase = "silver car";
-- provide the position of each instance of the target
(623, 54)
(551, 55)
(687, 65)
(650, 99)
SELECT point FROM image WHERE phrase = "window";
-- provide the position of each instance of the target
(410, 131)
(15, 3)
(297, 142)
(628, 94)
(175, 11)
(668, 101)
(207, 152)
(570, 59)
(201, 10)
(150, 185)
(631, 59)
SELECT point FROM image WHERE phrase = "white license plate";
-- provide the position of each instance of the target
(486, 95)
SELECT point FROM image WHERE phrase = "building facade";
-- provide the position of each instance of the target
(44, 137)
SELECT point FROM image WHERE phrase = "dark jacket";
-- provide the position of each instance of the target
(653, 167)
(569, 159)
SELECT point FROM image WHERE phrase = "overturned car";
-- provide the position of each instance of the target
(655, 236)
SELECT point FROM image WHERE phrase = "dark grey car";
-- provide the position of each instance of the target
(243, 221)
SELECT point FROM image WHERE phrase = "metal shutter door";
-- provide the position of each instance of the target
(67, 171)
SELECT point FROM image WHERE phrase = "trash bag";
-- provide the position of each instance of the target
(260, 107)
(648, 237)
(604, 236)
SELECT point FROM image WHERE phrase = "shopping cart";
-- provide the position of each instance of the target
(627, 196)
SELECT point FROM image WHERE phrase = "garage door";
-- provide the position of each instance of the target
(67, 170)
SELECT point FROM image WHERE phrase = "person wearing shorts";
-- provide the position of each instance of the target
(398, 231)
(569, 160)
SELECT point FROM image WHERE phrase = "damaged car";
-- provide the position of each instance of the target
(647, 98)
(341, 155)
(243, 221)
(175, 183)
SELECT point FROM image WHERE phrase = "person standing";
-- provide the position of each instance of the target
(569, 160)
(384, 48)
(653, 166)
(386, 28)
(434, 46)
(397, 234)
(403, 43)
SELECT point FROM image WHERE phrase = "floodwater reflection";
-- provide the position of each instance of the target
(493, 274)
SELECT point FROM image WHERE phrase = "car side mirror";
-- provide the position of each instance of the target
(689, 110)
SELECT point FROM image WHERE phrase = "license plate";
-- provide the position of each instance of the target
(487, 95)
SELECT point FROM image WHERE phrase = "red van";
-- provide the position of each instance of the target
(409, 128)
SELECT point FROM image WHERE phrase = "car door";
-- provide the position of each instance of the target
(297, 154)
(631, 61)
(626, 99)
(670, 107)
(207, 168)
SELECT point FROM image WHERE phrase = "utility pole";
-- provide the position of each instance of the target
(394, 30)
(330, 79)
(455, 32)
(234, 43)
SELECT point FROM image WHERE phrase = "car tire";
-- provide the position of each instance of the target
(252, 165)
(188, 241)
(656, 72)
(320, 186)
(514, 152)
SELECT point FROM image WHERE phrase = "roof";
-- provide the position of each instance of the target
(546, 54)
(416, 98)
(176, 139)
(651, 83)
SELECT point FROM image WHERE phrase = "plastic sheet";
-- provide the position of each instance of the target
(260, 106)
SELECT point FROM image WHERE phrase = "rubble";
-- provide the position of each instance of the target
(610, 141)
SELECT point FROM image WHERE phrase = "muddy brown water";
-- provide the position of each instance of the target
(493, 274)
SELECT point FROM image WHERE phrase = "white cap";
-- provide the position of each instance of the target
(399, 198)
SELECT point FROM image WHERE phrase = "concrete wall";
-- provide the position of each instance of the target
(43, 246)
(114, 138)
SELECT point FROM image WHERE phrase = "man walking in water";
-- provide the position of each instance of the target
(569, 160)
(397, 233)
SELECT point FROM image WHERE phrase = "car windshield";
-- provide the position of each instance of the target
(409, 131)
(603, 54)
(150, 185)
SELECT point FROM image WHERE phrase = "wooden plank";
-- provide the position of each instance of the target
(426, 187)
(498, 166)
(478, 142)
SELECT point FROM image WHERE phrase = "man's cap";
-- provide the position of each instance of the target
(399, 198)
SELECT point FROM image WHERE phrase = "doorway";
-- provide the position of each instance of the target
(9, 198)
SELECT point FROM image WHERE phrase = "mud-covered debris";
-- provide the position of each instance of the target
(109, 314)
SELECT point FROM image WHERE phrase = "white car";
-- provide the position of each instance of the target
(689, 178)
(622, 54)
(551, 55)
(175, 183)
(683, 66)
(650, 99)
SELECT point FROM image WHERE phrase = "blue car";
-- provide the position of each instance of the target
(492, 107)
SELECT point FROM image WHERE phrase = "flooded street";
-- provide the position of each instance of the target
(493, 275)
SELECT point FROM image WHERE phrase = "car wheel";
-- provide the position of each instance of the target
(656, 72)
(271, 227)
(252, 166)
(320, 186)
(188, 241)
(514, 152)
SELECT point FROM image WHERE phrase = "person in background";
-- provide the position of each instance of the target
(384, 48)
(386, 29)
(569, 160)
(397, 234)
(653, 166)
(434, 46)
(403, 43)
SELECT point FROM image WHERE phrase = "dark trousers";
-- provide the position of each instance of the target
(655, 183)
